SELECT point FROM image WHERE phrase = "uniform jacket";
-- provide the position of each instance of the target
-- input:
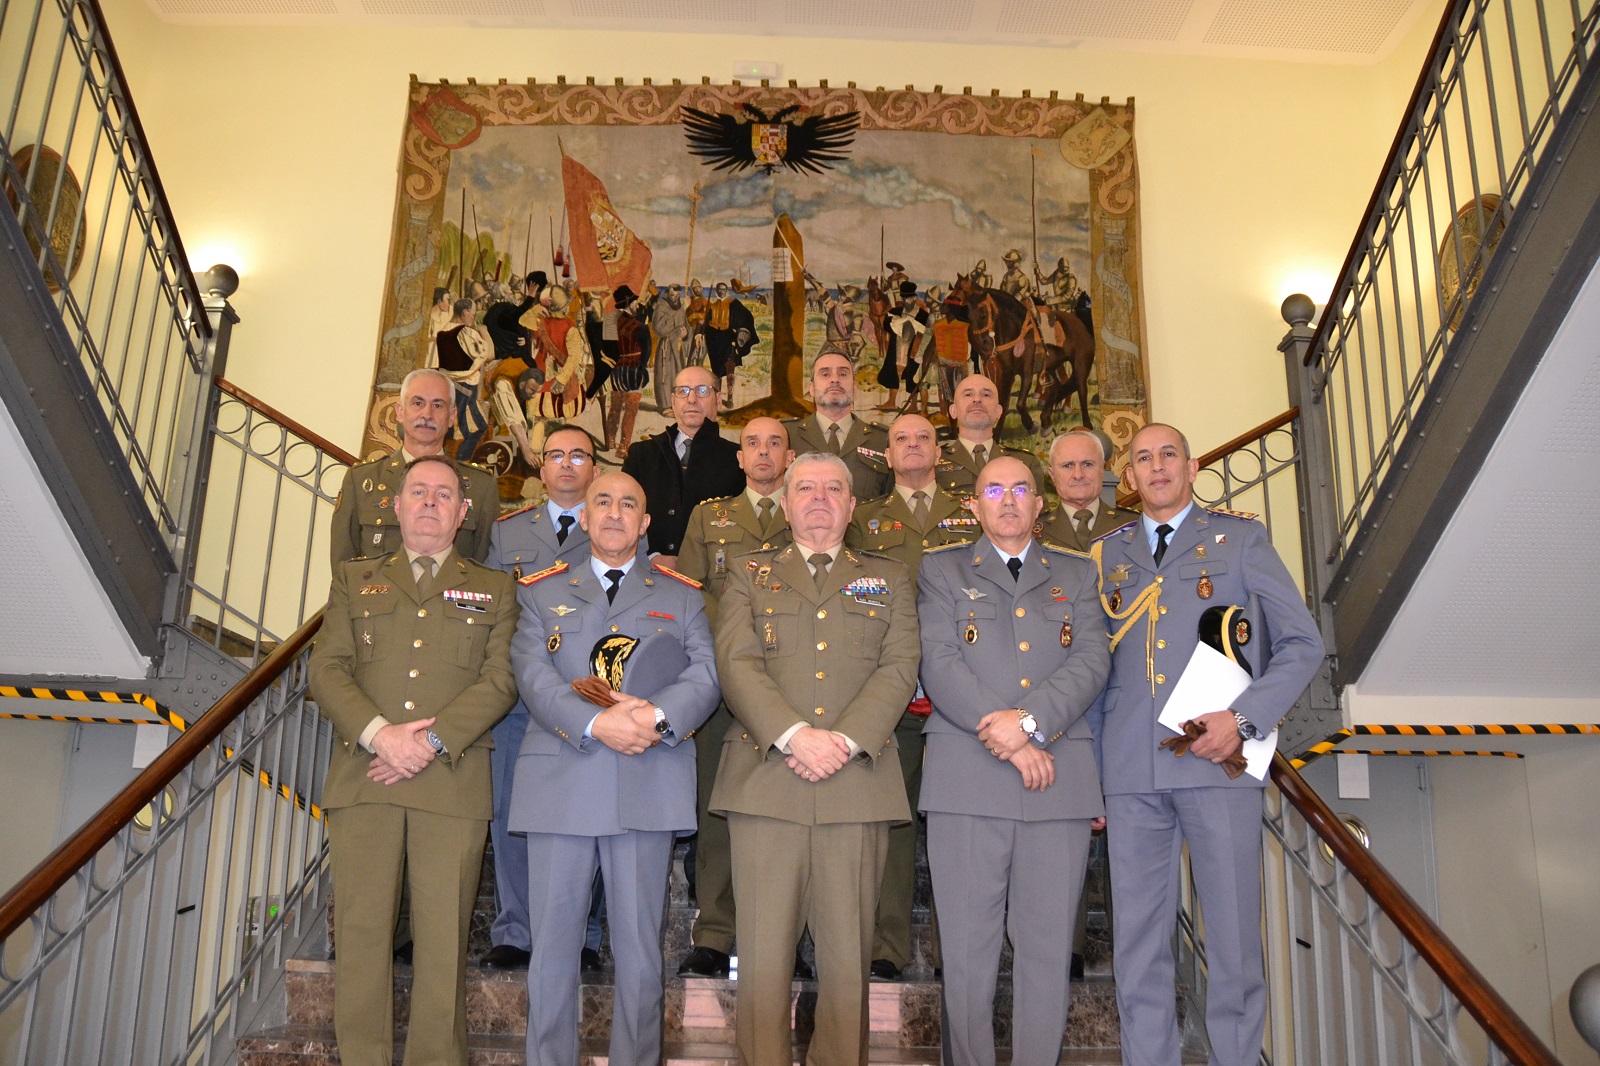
(869, 470)
(572, 784)
(720, 530)
(670, 492)
(885, 526)
(1056, 525)
(957, 471)
(787, 654)
(385, 648)
(524, 542)
(1232, 554)
(989, 642)
(364, 526)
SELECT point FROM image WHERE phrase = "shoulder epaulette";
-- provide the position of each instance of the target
(519, 510)
(549, 571)
(1063, 549)
(1119, 529)
(720, 499)
(685, 578)
(945, 547)
(1246, 515)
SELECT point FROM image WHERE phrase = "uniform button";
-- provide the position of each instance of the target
(821, 674)
(744, 736)
(820, 614)
(1159, 579)
(410, 706)
(414, 673)
(366, 614)
(765, 545)
(1161, 644)
(769, 611)
(1163, 610)
(422, 613)
(821, 711)
(1023, 646)
(378, 522)
(673, 510)
(416, 643)
(822, 645)
(1022, 612)
(872, 614)
(613, 629)
(1026, 682)
(924, 544)
(1161, 679)
(471, 620)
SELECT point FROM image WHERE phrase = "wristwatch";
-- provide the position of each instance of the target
(1030, 726)
(662, 725)
(1247, 728)
(438, 745)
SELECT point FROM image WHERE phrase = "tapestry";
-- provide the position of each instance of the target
(923, 235)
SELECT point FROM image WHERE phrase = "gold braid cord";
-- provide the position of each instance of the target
(1143, 604)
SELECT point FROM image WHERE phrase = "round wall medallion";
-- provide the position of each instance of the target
(1467, 230)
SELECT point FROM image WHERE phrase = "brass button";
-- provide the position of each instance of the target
(470, 621)
(821, 674)
(1022, 612)
(872, 614)
(613, 629)
(1204, 571)
(1161, 644)
(822, 645)
(422, 613)
(769, 611)
(1159, 579)
(410, 706)
(1026, 682)
(820, 614)
(414, 673)
(416, 643)
(821, 711)
(1023, 646)
(1161, 679)
(379, 522)
(765, 545)
(366, 614)
(1163, 610)
(744, 736)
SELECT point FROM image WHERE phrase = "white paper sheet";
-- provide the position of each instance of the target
(1209, 683)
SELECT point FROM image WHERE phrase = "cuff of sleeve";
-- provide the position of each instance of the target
(378, 722)
(855, 749)
(788, 734)
(588, 730)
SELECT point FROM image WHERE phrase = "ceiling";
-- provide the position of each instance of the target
(1333, 31)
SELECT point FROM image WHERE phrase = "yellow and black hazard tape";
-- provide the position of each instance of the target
(1322, 747)
(1419, 751)
(171, 718)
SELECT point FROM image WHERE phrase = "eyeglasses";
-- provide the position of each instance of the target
(686, 391)
(574, 457)
(993, 493)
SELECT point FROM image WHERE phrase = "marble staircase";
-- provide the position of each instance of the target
(699, 1013)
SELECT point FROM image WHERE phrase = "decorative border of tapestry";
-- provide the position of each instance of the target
(922, 234)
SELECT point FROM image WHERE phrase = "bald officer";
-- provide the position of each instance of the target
(1158, 576)
(836, 430)
(1013, 655)
(917, 516)
(412, 667)
(607, 788)
(1077, 461)
(364, 520)
(817, 650)
(976, 413)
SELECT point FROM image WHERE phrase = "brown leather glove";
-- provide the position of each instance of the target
(1233, 765)
(594, 690)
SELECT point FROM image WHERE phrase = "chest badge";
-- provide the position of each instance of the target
(769, 637)
(971, 634)
(721, 566)
(1066, 634)
(1200, 551)
(516, 572)
(554, 643)
(561, 610)
(974, 594)
(1114, 601)
(366, 485)
(1203, 587)
(1120, 572)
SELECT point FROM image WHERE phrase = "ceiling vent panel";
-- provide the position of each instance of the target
(659, 11)
(910, 16)
(1137, 20)
(1353, 26)
(456, 8)
(246, 7)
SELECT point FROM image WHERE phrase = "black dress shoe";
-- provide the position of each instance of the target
(402, 953)
(1077, 967)
(802, 969)
(884, 970)
(704, 962)
(505, 957)
(589, 961)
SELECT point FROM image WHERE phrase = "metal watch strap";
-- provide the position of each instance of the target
(1247, 729)
(662, 725)
(438, 745)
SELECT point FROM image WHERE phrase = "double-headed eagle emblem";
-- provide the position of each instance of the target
(812, 145)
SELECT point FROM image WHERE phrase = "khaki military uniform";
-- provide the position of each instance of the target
(364, 526)
(1055, 525)
(957, 471)
(887, 526)
(720, 531)
(862, 450)
(444, 651)
(842, 656)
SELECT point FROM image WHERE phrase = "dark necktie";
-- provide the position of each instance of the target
(766, 507)
(979, 454)
(1083, 518)
(833, 438)
(819, 566)
(1163, 531)
(615, 579)
(683, 456)
(1015, 566)
(919, 510)
(566, 521)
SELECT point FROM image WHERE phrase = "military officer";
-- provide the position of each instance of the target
(610, 788)
(363, 524)
(817, 652)
(914, 518)
(412, 670)
(1013, 656)
(976, 414)
(524, 542)
(1158, 576)
(719, 532)
(836, 430)
(1077, 461)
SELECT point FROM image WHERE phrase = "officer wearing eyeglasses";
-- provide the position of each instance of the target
(684, 464)
(1014, 652)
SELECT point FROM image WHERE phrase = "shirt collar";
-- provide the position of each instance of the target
(844, 423)
(600, 568)
(1149, 524)
(555, 510)
(905, 492)
(755, 497)
(439, 559)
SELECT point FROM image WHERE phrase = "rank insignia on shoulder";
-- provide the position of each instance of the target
(519, 510)
(549, 571)
(1248, 516)
(685, 578)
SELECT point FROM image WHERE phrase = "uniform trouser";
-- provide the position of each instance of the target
(992, 877)
(510, 927)
(892, 940)
(786, 876)
(1146, 832)
(713, 870)
(561, 868)
(370, 844)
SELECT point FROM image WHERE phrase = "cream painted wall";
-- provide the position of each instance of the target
(278, 147)
(33, 766)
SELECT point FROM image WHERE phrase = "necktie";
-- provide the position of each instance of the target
(819, 566)
(566, 521)
(1081, 519)
(766, 507)
(1163, 531)
(833, 438)
(979, 454)
(685, 443)
(615, 579)
(1015, 566)
(422, 568)
(919, 509)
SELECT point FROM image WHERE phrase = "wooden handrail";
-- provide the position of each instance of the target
(58, 868)
(1504, 1028)
(1452, 13)
(1222, 451)
(284, 420)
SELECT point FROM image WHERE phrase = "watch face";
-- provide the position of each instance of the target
(662, 726)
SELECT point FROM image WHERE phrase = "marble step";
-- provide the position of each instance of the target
(297, 1045)
(903, 1014)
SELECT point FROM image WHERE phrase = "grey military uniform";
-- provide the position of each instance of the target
(1213, 558)
(584, 805)
(1056, 525)
(957, 471)
(862, 450)
(364, 526)
(1003, 856)
(521, 543)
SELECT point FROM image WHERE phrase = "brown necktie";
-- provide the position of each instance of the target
(979, 454)
(819, 566)
(833, 438)
(766, 507)
(422, 568)
(919, 509)
(1082, 519)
